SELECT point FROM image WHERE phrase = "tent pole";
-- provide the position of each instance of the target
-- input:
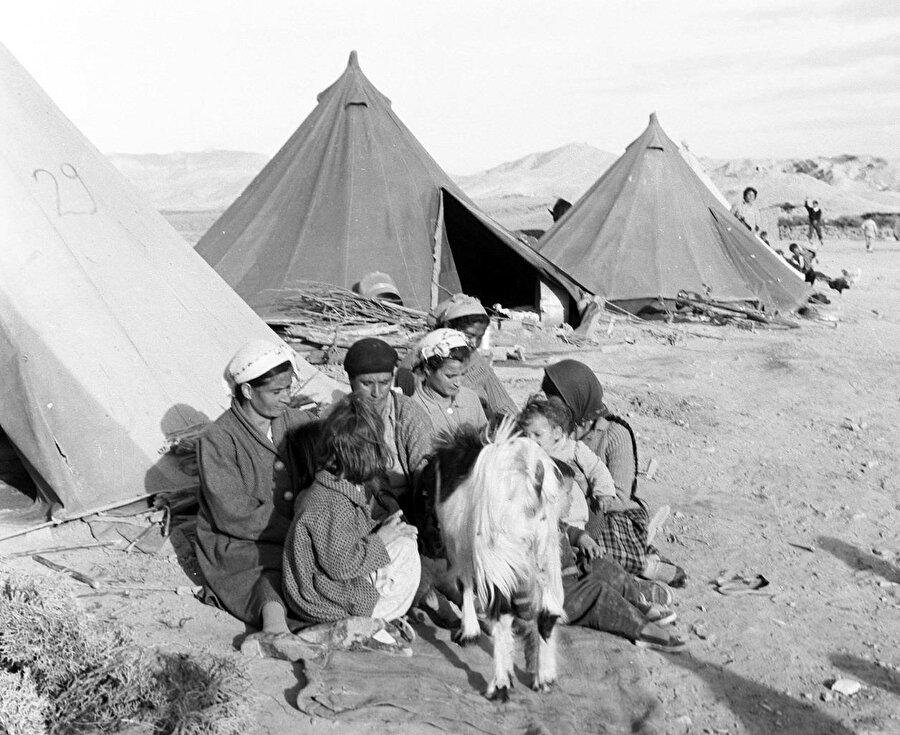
(437, 252)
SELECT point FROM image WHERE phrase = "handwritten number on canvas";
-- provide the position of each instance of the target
(69, 172)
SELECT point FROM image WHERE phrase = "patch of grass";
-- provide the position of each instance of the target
(65, 672)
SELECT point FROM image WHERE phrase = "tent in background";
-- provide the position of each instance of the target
(649, 229)
(113, 331)
(352, 192)
(701, 173)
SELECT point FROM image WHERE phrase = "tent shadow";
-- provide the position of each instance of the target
(761, 709)
(871, 673)
(857, 559)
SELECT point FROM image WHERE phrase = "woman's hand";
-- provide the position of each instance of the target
(587, 546)
(393, 528)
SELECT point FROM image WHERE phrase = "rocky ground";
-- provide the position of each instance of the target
(777, 451)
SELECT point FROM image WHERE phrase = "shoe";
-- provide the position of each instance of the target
(656, 593)
(667, 643)
(679, 581)
(285, 646)
(656, 523)
(660, 615)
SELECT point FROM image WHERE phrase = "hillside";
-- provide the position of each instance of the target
(205, 180)
(198, 186)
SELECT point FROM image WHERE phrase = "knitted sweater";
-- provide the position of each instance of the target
(331, 552)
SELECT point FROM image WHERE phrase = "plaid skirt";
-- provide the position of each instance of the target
(622, 535)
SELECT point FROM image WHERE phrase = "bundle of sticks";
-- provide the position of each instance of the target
(721, 312)
(327, 315)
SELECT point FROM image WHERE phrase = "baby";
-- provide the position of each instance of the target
(549, 422)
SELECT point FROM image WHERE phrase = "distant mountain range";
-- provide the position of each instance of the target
(518, 193)
(199, 181)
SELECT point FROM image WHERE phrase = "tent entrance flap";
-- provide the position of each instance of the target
(21, 501)
(485, 265)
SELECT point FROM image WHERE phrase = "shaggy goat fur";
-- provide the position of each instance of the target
(497, 505)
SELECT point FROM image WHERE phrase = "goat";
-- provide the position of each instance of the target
(497, 506)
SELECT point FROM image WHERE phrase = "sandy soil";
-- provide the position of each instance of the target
(777, 452)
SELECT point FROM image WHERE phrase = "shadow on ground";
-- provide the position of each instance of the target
(868, 672)
(859, 560)
(761, 709)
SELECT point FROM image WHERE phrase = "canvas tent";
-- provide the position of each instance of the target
(701, 173)
(649, 228)
(113, 331)
(352, 192)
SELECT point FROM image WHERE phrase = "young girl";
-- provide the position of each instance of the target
(442, 359)
(338, 562)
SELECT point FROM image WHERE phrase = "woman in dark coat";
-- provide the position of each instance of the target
(247, 488)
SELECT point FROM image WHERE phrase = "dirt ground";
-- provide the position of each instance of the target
(777, 451)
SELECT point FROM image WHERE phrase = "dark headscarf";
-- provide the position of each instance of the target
(370, 355)
(577, 385)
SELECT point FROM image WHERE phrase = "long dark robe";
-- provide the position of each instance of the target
(247, 489)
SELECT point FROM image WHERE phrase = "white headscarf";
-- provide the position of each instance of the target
(439, 343)
(256, 358)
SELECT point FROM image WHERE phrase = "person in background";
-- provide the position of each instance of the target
(560, 207)
(466, 314)
(248, 483)
(338, 560)
(804, 261)
(612, 439)
(747, 212)
(370, 364)
(814, 214)
(870, 232)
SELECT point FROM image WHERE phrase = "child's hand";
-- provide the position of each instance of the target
(587, 546)
(393, 528)
(598, 503)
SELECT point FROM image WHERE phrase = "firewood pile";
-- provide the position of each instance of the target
(327, 316)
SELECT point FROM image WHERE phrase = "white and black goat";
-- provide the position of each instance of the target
(497, 504)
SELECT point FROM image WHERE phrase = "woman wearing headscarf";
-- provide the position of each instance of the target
(370, 365)
(465, 314)
(622, 533)
(248, 483)
(442, 358)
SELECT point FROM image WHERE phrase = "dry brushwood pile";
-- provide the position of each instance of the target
(62, 671)
(328, 316)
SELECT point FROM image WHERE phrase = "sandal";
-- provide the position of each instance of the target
(736, 584)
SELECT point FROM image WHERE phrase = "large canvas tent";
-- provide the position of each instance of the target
(649, 228)
(113, 331)
(353, 192)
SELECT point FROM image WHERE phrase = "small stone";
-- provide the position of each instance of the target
(826, 696)
(847, 687)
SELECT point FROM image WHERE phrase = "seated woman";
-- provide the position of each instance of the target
(611, 439)
(599, 593)
(442, 358)
(247, 487)
(465, 314)
(370, 364)
(338, 560)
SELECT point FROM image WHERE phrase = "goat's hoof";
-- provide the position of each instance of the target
(498, 694)
(543, 686)
(460, 638)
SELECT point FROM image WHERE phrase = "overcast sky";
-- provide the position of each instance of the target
(478, 82)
